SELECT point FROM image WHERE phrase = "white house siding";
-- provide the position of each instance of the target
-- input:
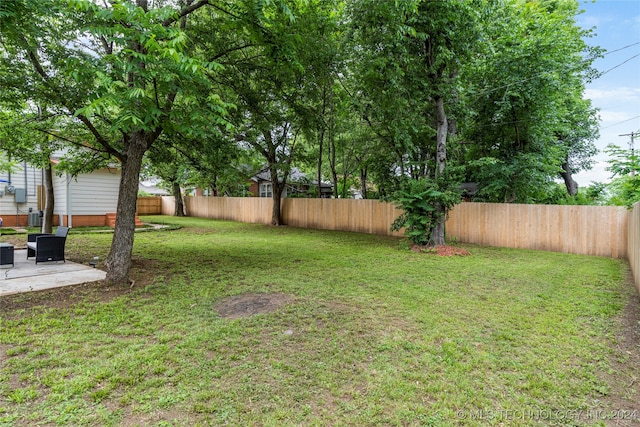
(28, 178)
(88, 194)
(60, 194)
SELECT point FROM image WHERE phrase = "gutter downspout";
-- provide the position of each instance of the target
(69, 210)
(26, 186)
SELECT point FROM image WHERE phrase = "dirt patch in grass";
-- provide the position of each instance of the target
(19, 305)
(245, 305)
(440, 250)
(3, 354)
(19, 241)
(143, 272)
(155, 418)
(624, 380)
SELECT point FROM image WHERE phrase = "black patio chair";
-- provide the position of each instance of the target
(47, 247)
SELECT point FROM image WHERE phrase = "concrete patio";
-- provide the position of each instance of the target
(26, 276)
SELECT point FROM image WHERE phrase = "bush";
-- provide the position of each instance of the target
(425, 203)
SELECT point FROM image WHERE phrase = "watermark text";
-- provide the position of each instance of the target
(549, 414)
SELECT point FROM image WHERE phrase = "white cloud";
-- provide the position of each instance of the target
(588, 21)
(614, 94)
(608, 116)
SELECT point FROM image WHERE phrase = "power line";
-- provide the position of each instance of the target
(578, 67)
(619, 123)
(619, 49)
(620, 64)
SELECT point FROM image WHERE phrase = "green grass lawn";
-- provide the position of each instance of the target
(371, 334)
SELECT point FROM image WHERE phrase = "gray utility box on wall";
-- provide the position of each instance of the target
(21, 195)
(34, 219)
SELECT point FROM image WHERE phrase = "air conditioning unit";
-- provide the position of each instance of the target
(34, 219)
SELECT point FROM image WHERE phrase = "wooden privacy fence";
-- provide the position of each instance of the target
(363, 216)
(242, 209)
(633, 253)
(589, 230)
(149, 205)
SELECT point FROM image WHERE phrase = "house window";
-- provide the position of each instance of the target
(266, 190)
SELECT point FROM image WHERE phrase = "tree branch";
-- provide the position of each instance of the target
(184, 12)
(35, 61)
(98, 136)
(215, 6)
(71, 141)
(36, 64)
(233, 49)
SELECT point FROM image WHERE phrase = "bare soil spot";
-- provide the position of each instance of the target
(21, 305)
(440, 250)
(19, 241)
(625, 361)
(144, 271)
(3, 354)
(245, 305)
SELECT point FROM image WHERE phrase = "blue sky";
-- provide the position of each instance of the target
(616, 25)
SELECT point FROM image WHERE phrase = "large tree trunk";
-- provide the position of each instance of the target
(332, 146)
(277, 188)
(276, 212)
(319, 172)
(214, 186)
(47, 219)
(569, 182)
(118, 262)
(437, 234)
(321, 143)
(177, 197)
(363, 182)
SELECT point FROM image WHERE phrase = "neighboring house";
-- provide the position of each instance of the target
(150, 187)
(20, 195)
(469, 190)
(86, 200)
(90, 199)
(298, 185)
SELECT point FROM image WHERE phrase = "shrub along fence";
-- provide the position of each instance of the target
(591, 230)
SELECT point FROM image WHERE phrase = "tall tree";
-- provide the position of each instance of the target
(166, 163)
(410, 74)
(525, 89)
(123, 70)
(576, 132)
(275, 72)
(624, 164)
(30, 137)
